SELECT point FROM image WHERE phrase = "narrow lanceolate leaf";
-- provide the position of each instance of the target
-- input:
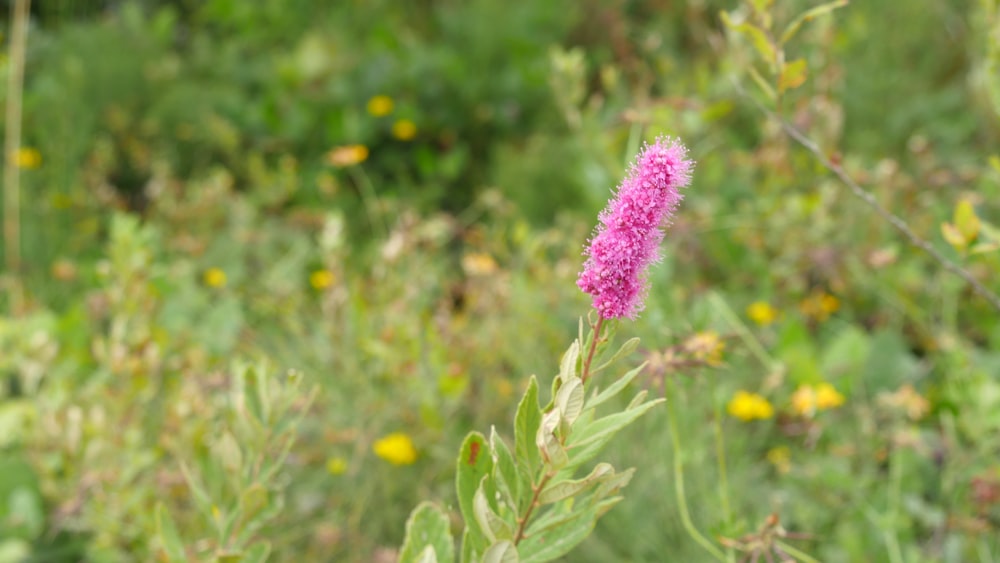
(627, 348)
(526, 423)
(587, 440)
(428, 528)
(555, 492)
(474, 463)
(501, 552)
(809, 14)
(615, 388)
(558, 540)
(758, 38)
(257, 553)
(167, 533)
(493, 526)
(428, 555)
(569, 400)
(511, 481)
(567, 366)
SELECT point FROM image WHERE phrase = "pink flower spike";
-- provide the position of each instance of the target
(628, 238)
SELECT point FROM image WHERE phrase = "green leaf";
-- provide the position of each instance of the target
(427, 556)
(953, 236)
(603, 429)
(615, 388)
(793, 75)
(428, 527)
(495, 527)
(808, 15)
(567, 366)
(257, 553)
(548, 443)
(253, 500)
(569, 399)
(627, 348)
(166, 531)
(526, 423)
(501, 552)
(758, 38)
(966, 221)
(474, 463)
(554, 541)
(557, 491)
(505, 468)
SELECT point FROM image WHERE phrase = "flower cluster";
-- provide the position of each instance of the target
(627, 240)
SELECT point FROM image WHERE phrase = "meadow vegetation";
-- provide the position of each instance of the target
(276, 259)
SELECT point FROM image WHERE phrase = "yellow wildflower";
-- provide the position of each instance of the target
(807, 399)
(396, 448)
(781, 458)
(347, 155)
(762, 313)
(215, 277)
(28, 158)
(404, 129)
(827, 397)
(804, 401)
(321, 279)
(819, 305)
(336, 465)
(749, 406)
(706, 346)
(479, 264)
(380, 106)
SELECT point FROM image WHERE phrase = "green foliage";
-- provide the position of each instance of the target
(189, 236)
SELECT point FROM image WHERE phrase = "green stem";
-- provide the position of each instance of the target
(801, 556)
(19, 11)
(720, 456)
(679, 488)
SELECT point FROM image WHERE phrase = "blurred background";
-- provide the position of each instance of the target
(274, 258)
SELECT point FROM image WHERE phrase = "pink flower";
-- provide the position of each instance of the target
(628, 238)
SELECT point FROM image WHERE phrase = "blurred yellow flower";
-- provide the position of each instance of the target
(215, 277)
(706, 346)
(347, 155)
(781, 458)
(404, 129)
(827, 397)
(380, 106)
(321, 279)
(28, 158)
(808, 399)
(396, 448)
(762, 313)
(479, 264)
(336, 465)
(819, 305)
(748, 406)
(804, 401)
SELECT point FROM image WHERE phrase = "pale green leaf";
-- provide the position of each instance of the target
(966, 220)
(493, 526)
(758, 38)
(166, 531)
(501, 552)
(504, 466)
(428, 527)
(555, 541)
(792, 28)
(474, 462)
(557, 491)
(567, 366)
(615, 388)
(526, 423)
(569, 399)
(793, 75)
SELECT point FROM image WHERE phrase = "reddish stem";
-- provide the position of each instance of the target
(593, 347)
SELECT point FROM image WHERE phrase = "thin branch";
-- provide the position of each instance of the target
(864, 195)
(12, 143)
